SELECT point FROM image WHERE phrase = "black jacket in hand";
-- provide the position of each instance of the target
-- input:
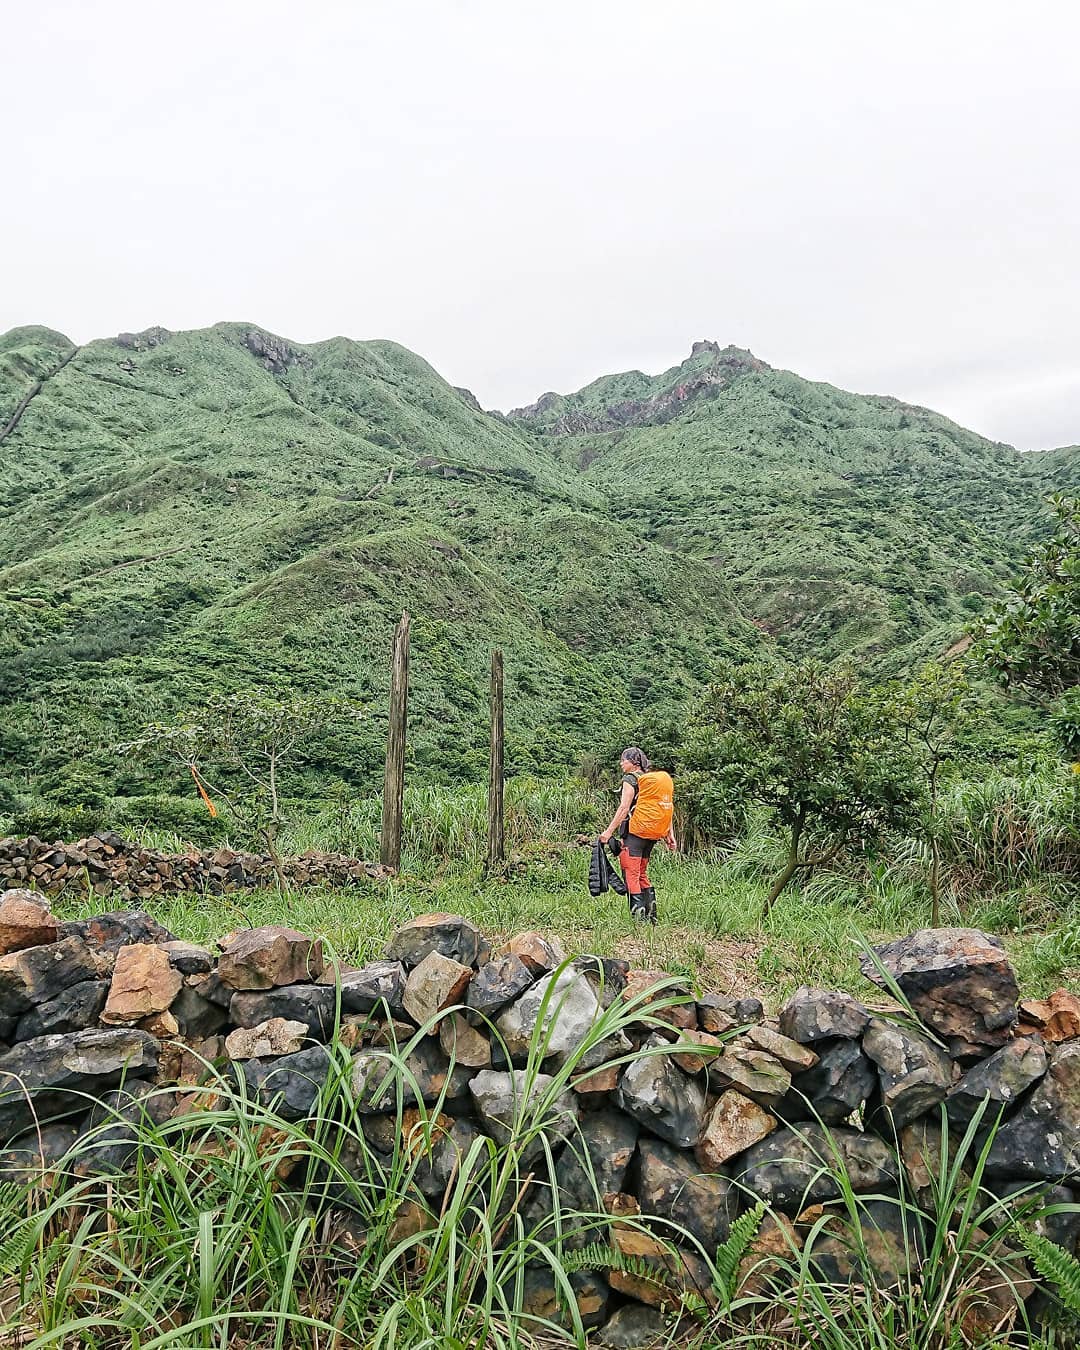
(603, 874)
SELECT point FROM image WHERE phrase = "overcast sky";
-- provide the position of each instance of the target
(881, 195)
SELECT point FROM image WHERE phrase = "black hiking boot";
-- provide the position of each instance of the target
(649, 896)
(639, 907)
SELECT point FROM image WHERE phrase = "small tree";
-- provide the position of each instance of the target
(933, 713)
(237, 749)
(806, 743)
(1032, 638)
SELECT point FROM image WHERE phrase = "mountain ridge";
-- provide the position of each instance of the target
(224, 507)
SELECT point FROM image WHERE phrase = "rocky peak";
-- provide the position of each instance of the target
(144, 341)
(705, 345)
(275, 353)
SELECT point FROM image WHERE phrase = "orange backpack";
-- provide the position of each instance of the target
(654, 809)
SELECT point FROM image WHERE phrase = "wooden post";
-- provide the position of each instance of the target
(394, 780)
(496, 830)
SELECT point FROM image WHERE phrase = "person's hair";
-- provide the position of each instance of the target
(636, 757)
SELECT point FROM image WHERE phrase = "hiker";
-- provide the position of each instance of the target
(644, 815)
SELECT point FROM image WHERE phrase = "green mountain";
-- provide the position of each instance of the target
(184, 512)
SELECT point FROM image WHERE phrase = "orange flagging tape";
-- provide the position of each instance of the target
(202, 792)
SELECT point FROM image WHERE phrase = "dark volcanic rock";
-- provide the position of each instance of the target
(1043, 1137)
(53, 1069)
(189, 959)
(635, 1327)
(448, 934)
(374, 1078)
(120, 928)
(793, 1167)
(109, 1138)
(497, 983)
(671, 1185)
(594, 1162)
(290, 1085)
(958, 980)
(1003, 1078)
(312, 1004)
(196, 1016)
(888, 1243)
(839, 1083)
(73, 1010)
(366, 989)
(656, 1092)
(504, 1100)
(33, 1157)
(40, 974)
(822, 1014)
(915, 1073)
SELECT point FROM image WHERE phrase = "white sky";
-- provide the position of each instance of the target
(882, 195)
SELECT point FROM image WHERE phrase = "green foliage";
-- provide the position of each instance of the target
(813, 748)
(731, 1251)
(1032, 638)
(1057, 1266)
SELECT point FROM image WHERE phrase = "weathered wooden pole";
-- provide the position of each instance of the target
(496, 828)
(394, 779)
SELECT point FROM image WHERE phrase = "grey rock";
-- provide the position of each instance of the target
(375, 1078)
(887, 1249)
(1030, 1203)
(595, 1160)
(448, 934)
(505, 1102)
(1043, 1138)
(635, 1327)
(110, 1137)
(449, 1149)
(210, 987)
(755, 1073)
(958, 981)
(915, 1074)
(189, 959)
(39, 974)
(656, 1092)
(606, 976)
(839, 1083)
(33, 1157)
(381, 982)
(312, 1004)
(794, 1167)
(569, 1008)
(671, 1185)
(73, 1010)
(822, 1014)
(1000, 1080)
(196, 1016)
(57, 1072)
(749, 1010)
(289, 1086)
(497, 983)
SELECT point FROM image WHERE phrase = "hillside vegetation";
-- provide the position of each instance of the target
(218, 509)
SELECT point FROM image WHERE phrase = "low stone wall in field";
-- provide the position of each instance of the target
(107, 864)
(725, 1107)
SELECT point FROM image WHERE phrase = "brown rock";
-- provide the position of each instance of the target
(275, 1036)
(774, 1247)
(794, 1057)
(681, 1016)
(677, 1272)
(604, 1079)
(538, 953)
(411, 1218)
(753, 1072)
(264, 958)
(143, 983)
(734, 1123)
(25, 921)
(436, 983)
(463, 1043)
(1058, 1017)
(959, 982)
(163, 1025)
(693, 1061)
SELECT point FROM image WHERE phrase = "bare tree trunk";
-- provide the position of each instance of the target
(935, 856)
(394, 779)
(496, 783)
(790, 867)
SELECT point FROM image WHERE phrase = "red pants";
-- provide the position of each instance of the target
(635, 864)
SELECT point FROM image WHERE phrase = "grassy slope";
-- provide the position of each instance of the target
(846, 523)
(182, 517)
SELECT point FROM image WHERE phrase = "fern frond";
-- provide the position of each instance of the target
(1059, 1267)
(599, 1256)
(731, 1251)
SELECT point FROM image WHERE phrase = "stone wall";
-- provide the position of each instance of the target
(712, 1104)
(107, 864)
